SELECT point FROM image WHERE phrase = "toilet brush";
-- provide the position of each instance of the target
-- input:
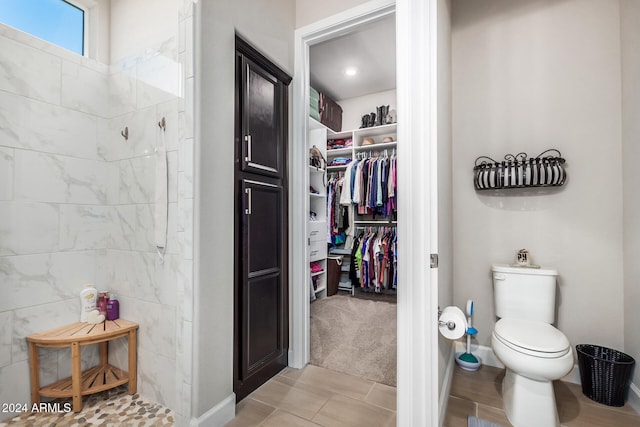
(467, 360)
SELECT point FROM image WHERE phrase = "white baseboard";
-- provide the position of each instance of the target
(634, 398)
(573, 376)
(219, 415)
(483, 352)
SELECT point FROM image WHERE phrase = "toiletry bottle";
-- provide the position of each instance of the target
(103, 298)
(113, 308)
(88, 298)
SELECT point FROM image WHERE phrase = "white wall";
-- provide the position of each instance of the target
(310, 11)
(140, 25)
(354, 108)
(269, 26)
(630, 21)
(528, 76)
(102, 32)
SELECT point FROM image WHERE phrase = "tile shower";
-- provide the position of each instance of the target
(76, 198)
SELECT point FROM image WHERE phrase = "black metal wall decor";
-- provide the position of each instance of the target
(518, 171)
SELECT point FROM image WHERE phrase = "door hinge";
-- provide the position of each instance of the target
(434, 261)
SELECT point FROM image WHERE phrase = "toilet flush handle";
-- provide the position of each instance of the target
(498, 276)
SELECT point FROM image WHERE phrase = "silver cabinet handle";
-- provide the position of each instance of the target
(247, 139)
(248, 209)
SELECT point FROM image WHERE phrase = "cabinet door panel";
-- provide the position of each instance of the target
(262, 346)
(262, 127)
(262, 227)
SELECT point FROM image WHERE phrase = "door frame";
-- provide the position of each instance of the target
(416, 31)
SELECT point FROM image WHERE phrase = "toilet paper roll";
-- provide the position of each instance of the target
(453, 324)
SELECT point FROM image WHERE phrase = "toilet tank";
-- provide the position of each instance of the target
(524, 293)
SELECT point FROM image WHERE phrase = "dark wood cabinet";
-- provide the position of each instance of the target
(261, 291)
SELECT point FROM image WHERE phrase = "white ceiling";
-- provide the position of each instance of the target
(371, 49)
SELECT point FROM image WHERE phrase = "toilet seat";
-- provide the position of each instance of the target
(537, 339)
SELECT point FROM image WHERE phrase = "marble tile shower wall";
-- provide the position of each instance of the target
(51, 175)
(76, 204)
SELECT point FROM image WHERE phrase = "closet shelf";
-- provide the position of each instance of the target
(338, 251)
(338, 151)
(320, 289)
(376, 222)
(371, 131)
(317, 273)
(335, 168)
(518, 171)
(377, 130)
(376, 147)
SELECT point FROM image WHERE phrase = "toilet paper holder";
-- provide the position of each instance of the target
(451, 325)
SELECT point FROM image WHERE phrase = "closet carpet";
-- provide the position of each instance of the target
(355, 336)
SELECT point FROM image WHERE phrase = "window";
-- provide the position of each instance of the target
(57, 21)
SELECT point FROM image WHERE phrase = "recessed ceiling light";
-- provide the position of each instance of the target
(351, 71)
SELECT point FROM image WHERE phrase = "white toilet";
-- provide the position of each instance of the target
(533, 351)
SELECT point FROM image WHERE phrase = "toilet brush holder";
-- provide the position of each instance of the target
(467, 360)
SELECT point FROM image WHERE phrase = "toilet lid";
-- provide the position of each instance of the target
(534, 338)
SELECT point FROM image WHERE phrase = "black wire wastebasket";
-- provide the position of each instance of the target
(605, 373)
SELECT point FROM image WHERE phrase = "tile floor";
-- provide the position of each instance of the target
(479, 393)
(316, 396)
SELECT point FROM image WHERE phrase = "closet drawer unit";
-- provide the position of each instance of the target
(317, 230)
(317, 250)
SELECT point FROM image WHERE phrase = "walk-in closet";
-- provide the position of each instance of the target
(353, 194)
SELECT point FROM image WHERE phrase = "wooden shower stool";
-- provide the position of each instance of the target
(93, 380)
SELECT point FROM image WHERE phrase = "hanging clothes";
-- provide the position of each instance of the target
(374, 260)
(339, 221)
(374, 186)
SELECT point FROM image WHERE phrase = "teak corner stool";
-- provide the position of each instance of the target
(93, 380)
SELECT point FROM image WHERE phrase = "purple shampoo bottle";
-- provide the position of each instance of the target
(113, 308)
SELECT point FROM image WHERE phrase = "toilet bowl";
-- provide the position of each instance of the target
(534, 353)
